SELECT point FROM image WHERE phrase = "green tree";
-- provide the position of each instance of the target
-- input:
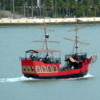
(61, 8)
(53, 8)
(96, 6)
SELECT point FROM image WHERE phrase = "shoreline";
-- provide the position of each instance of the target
(37, 21)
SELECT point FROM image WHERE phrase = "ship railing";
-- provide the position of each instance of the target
(49, 60)
(56, 60)
(79, 56)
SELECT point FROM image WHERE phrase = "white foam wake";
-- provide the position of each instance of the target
(88, 76)
(80, 78)
(16, 79)
(84, 77)
(22, 78)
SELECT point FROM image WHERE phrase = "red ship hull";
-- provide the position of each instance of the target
(76, 75)
(41, 70)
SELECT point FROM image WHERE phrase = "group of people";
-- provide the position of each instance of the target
(79, 57)
(45, 59)
(74, 62)
(34, 58)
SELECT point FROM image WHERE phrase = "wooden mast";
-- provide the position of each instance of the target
(46, 36)
(76, 39)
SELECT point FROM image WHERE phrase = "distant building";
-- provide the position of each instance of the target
(38, 3)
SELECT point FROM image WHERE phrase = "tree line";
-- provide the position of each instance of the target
(52, 8)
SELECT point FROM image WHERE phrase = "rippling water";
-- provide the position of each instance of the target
(14, 40)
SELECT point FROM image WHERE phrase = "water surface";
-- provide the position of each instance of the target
(15, 40)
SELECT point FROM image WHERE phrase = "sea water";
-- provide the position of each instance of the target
(15, 40)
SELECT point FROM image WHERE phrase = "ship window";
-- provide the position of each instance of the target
(38, 69)
(32, 69)
(49, 69)
(54, 68)
(28, 68)
(43, 69)
(24, 68)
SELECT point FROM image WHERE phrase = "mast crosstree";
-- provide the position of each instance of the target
(76, 37)
(46, 37)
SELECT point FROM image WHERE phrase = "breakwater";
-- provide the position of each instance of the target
(34, 21)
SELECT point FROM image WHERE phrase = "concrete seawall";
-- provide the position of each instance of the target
(23, 21)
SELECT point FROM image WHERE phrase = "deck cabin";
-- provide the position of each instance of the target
(40, 62)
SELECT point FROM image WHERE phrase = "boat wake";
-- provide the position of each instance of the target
(88, 76)
(84, 77)
(16, 79)
(22, 78)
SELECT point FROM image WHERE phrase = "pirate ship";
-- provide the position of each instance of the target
(42, 64)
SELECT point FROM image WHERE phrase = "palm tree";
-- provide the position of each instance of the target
(72, 6)
(4, 4)
(68, 8)
(82, 7)
(96, 6)
(96, 9)
(13, 2)
(55, 8)
(32, 7)
(61, 7)
(43, 10)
